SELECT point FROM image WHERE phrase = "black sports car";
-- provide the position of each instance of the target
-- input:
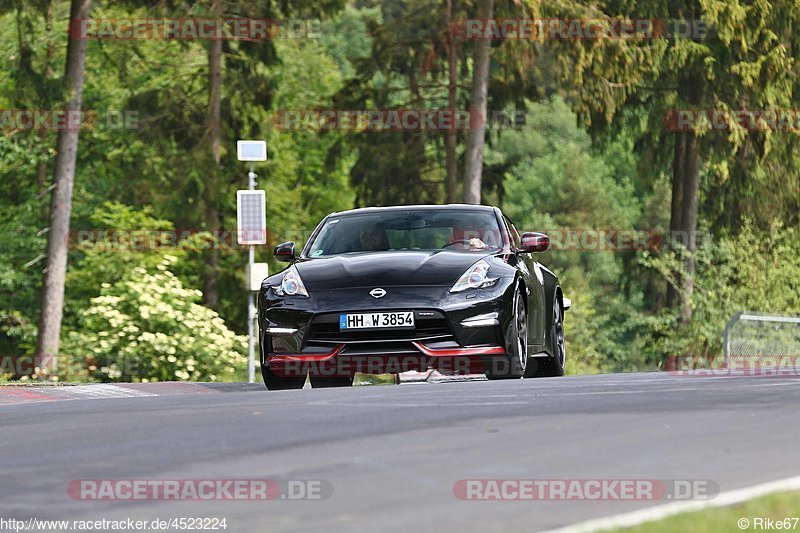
(391, 289)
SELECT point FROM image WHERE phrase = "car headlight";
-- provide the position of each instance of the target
(291, 285)
(474, 278)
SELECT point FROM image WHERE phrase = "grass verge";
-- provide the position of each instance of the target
(783, 507)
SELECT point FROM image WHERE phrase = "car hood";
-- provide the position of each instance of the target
(377, 269)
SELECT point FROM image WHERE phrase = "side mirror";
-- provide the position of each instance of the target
(285, 252)
(534, 242)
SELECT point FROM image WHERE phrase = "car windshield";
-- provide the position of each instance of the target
(458, 230)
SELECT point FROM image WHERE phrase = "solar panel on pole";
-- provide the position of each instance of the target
(251, 217)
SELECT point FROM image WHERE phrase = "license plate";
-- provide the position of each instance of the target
(401, 319)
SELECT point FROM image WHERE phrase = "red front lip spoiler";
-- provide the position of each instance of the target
(430, 352)
(459, 352)
(298, 357)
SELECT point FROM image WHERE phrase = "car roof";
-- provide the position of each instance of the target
(425, 207)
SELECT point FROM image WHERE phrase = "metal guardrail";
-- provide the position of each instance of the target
(787, 339)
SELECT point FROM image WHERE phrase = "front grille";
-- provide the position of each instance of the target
(325, 329)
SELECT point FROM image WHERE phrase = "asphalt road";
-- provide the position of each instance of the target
(392, 454)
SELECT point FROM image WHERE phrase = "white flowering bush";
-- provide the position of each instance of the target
(148, 327)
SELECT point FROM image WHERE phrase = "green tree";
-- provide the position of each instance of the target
(745, 59)
(52, 308)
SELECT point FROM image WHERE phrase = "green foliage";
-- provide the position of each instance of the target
(751, 271)
(119, 239)
(21, 249)
(604, 166)
(554, 178)
(148, 327)
(303, 186)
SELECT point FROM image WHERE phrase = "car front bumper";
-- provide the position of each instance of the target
(454, 332)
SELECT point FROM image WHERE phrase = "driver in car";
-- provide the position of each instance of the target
(374, 239)
(464, 236)
(475, 242)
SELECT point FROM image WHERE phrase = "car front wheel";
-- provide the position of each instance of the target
(513, 366)
(553, 365)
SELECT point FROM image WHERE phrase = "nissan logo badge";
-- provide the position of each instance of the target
(377, 292)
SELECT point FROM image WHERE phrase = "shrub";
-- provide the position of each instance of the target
(148, 327)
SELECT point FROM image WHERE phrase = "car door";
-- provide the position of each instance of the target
(534, 281)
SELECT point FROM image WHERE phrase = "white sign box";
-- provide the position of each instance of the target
(251, 150)
(255, 274)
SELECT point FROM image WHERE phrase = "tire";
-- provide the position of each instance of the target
(318, 382)
(553, 365)
(514, 366)
(275, 382)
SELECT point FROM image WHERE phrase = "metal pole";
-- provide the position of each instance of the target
(726, 338)
(251, 317)
(251, 303)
